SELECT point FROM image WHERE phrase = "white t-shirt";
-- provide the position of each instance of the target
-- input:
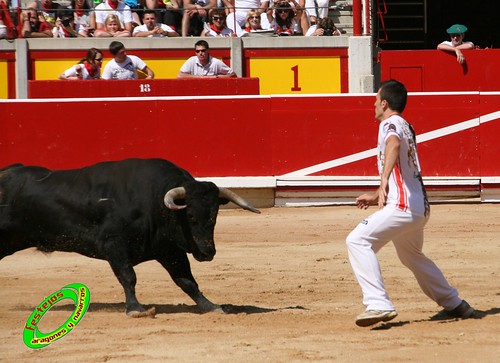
(246, 5)
(313, 28)
(144, 28)
(122, 11)
(72, 72)
(125, 70)
(212, 68)
(226, 32)
(448, 42)
(320, 5)
(406, 189)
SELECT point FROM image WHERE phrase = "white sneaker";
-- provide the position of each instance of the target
(370, 317)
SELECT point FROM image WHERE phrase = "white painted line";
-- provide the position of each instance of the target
(420, 138)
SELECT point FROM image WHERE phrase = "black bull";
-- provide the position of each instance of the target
(122, 212)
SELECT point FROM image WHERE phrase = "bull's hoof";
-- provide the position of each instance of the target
(150, 313)
(213, 308)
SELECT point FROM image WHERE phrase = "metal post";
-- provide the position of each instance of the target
(356, 17)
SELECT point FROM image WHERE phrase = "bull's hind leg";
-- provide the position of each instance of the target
(177, 265)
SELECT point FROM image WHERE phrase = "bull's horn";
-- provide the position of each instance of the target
(236, 199)
(172, 195)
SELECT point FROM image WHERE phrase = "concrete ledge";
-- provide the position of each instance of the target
(327, 190)
(490, 189)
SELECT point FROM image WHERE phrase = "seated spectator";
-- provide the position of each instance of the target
(33, 27)
(112, 28)
(124, 66)
(49, 10)
(65, 27)
(238, 11)
(152, 28)
(81, 14)
(316, 10)
(113, 7)
(456, 44)
(168, 12)
(195, 16)
(301, 16)
(284, 21)
(253, 22)
(7, 26)
(3, 30)
(204, 65)
(87, 68)
(325, 27)
(136, 8)
(217, 26)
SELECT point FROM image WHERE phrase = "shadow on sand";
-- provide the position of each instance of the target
(442, 317)
(170, 309)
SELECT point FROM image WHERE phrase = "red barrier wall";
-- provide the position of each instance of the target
(143, 88)
(9, 59)
(435, 70)
(251, 135)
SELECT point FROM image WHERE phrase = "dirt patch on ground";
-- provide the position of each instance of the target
(289, 292)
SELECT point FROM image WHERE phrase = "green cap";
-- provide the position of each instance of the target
(456, 29)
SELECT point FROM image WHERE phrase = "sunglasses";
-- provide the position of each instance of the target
(200, 50)
(217, 18)
(255, 17)
(281, 11)
(99, 59)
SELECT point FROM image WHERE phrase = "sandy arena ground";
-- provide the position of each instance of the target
(290, 291)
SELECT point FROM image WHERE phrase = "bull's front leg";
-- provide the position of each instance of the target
(179, 269)
(124, 272)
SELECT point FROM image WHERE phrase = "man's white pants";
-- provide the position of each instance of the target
(407, 233)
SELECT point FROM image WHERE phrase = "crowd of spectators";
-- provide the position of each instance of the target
(160, 18)
(124, 66)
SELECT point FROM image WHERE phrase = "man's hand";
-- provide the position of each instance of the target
(365, 200)
(382, 192)
(460, 56)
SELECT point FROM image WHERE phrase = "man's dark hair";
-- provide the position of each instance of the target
(395, 93)
(328, 26)
(115, 47)
(149, 11)
(201, 43)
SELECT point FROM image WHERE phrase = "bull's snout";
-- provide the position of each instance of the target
(206, 251)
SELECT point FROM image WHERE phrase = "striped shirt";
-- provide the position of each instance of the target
(406, 189)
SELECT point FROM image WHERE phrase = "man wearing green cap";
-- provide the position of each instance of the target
(457, 44)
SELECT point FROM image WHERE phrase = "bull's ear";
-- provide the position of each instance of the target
(223, 201)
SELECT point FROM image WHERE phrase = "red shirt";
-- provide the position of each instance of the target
(42, 26)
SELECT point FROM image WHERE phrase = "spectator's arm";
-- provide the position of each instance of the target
(129, 28)
(149, 72)
(229, 75)
(456, 50)
(264, 5)
(151, 4)
(92, 21)
(44, 34)
(26, 30)
(210, 5)
(185, 75)
(467, 45)
(229, 4)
